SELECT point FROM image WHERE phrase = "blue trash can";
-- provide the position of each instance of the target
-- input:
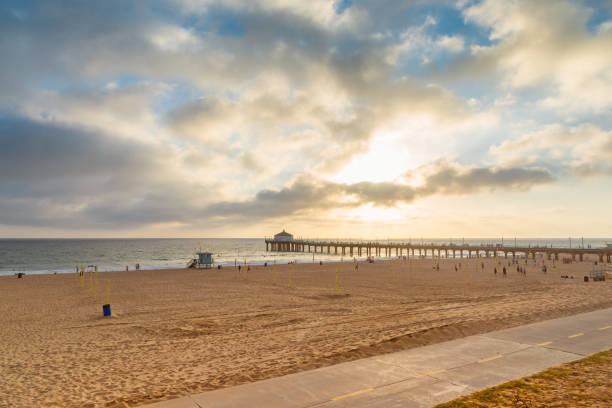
(106, 310)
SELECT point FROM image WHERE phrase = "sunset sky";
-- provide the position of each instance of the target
(373, 119)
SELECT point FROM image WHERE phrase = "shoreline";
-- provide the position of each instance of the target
(179, 267)
(285, 261)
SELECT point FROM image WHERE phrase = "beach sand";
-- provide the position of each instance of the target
(175, 332)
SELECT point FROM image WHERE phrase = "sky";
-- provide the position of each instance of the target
(328, 118)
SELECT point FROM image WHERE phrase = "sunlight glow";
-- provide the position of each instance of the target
(389, 156)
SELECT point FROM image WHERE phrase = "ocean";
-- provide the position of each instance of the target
(36, 256)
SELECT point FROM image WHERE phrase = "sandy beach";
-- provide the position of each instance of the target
(175, 332)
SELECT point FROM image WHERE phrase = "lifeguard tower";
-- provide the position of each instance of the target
(204, 260)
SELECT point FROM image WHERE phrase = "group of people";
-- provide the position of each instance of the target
(504, 271)
(521, 270)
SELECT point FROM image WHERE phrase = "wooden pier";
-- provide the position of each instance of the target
(389, 249)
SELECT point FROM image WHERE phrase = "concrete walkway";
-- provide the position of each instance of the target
(423, 376)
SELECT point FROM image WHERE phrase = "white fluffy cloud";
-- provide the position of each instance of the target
(584, 150)
(547, 43)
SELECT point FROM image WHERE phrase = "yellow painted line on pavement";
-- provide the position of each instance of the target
(484, 360)
(575, 335)
(604, 328)
(430, 373)
(352, 394)
(544, 344)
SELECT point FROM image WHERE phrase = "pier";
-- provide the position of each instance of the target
(389, 249)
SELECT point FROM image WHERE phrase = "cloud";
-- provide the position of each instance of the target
(421, 44)
(125, 111)
(584, 150)
(52, 174)
(170, 38)
(545, 43)
(452, 44)
(193, 111)
(446, 178)
(284, 70)
(41, 151)
(439, 178)
(322, 13)
(338, 106)
(57, 175)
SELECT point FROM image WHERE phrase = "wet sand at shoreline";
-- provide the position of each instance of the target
(181, 331)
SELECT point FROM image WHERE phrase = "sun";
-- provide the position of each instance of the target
(385, 160)
(394, 149)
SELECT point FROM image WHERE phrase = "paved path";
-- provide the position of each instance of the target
(423, 376)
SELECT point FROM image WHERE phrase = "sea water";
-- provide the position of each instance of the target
(62, 255)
